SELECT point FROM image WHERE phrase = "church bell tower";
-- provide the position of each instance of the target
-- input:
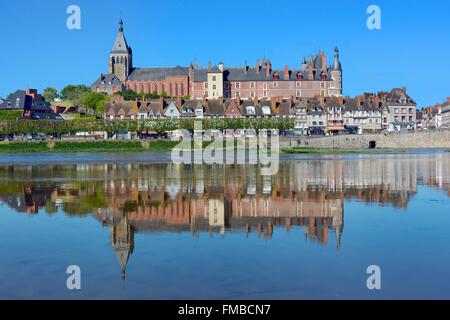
(121, 57)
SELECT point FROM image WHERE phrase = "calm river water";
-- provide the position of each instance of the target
(141, 228)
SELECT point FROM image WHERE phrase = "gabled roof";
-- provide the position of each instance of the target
(127, 108)
(107, 79)
(398, 97)
(284, 108)
(153, 107)
(231, 107)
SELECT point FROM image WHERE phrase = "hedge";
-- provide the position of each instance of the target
(158, 125)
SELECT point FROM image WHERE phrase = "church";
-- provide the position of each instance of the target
(313, 78)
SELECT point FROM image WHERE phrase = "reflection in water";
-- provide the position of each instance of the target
(305, 195)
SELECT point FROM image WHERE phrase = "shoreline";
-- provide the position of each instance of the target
(162, 146)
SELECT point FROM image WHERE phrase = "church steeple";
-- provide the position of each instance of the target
(121, 57)
(120, 25)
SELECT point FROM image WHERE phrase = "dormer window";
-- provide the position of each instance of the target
(299, 76)
(266, 110)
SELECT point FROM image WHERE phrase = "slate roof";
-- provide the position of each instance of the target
(234, 74)
(19, 100)
(107, 79)
(121, 45)
(151, 74)
(396, 96)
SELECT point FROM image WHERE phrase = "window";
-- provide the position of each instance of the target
(238, 85)
(238, 94)
(298, 84)
(298, 93)
(206, 85)
(275, 84)
(266, 110)
(206, 94)
(396, 111)
(214, 87)
(251, 110)
(265, 94)
(403, 111)
(252, 85)
(322, 85)
(214, 78)
(252, 94)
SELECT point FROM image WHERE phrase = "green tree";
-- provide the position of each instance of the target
(50, 94)
(74, 93)
(94, 101)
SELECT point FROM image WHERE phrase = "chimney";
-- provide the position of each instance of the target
(245, 67)
(179, 102)
(209, 66)
(404, 90)
(268, 68)
(258, 69)
(310, 73)
(358, 101)
(286, 73)
(101, 76)
(341, 100)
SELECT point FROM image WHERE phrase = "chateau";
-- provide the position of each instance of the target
(313, 78)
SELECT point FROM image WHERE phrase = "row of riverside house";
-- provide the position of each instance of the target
(437, 116)
(368, 113)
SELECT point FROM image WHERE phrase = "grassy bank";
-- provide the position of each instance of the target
(88, 146)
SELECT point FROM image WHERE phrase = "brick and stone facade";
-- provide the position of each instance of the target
(314, 77)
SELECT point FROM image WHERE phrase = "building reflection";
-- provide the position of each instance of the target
(305, 196)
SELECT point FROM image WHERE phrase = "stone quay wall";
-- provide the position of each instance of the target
(409, 140)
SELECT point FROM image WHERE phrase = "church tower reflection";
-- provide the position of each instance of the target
(122, 242)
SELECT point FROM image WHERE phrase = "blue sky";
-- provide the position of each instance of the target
(411, 49)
